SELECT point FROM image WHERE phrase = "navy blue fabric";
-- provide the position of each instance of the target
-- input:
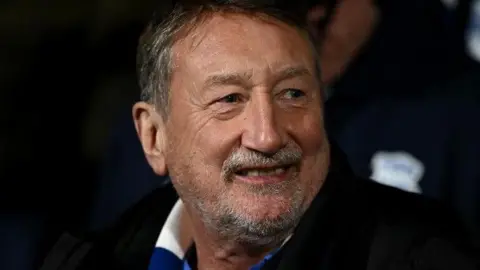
(21, 236)
(165, 259)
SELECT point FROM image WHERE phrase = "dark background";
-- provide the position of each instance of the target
(67, 71)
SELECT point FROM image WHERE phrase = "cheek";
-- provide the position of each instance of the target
(215, 141)
(311, 137)
(309, 133)
(185, 129)
(192, 176)
(199, 148)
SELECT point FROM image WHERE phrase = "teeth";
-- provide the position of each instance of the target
(266, 172)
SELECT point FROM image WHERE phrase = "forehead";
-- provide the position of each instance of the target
(235, 42)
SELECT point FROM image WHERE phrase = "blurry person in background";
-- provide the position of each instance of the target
(344, 27)
(232, 110)
(402, 97)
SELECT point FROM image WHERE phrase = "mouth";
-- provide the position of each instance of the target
(264, 175)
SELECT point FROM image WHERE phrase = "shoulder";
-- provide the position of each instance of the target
(364, 225)
(127, 243)
(412, 229)
(399, 208)
(145, 217)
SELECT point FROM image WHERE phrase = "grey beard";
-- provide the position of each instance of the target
(230, 226)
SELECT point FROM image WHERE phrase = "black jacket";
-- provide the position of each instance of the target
(352, 224)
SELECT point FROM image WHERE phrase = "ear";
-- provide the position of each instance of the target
(151, 131)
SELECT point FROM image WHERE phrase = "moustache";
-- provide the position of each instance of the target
(238, 160)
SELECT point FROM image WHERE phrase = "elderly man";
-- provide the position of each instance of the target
(232, 112)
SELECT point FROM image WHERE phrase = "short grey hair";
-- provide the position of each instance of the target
(174, 21)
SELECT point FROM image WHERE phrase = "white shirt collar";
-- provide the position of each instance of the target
(170, 234)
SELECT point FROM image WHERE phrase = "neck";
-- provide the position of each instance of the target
(216, 252)
(213, 253)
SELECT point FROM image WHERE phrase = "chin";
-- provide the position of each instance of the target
(254, 219)
(265, 227)
(263, 207)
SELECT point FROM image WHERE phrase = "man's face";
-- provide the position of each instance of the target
(246, 147)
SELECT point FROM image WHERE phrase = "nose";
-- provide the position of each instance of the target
(262, 132)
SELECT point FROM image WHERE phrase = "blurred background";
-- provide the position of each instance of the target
(67, 73)
(404, 106)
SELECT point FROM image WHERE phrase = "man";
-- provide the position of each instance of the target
(232, 111)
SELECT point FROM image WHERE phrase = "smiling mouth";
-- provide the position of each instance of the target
(264, 175)
(263, 171)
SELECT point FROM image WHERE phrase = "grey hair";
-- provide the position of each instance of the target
(154, 55)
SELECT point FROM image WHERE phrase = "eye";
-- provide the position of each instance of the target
(292, 93)
(232, 98)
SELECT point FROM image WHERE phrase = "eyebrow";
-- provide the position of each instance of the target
(241, 78)
(235, 78)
